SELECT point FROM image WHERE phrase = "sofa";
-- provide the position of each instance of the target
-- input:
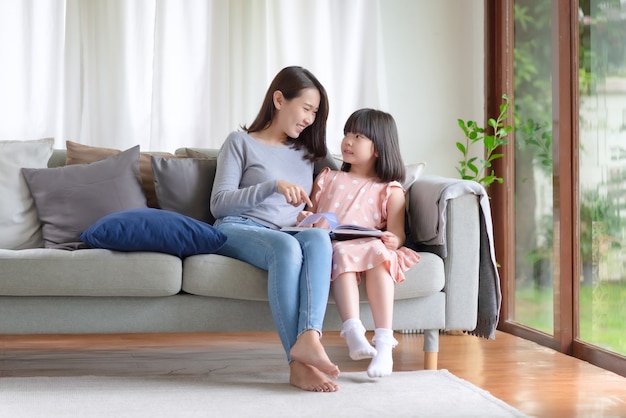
(47, 290)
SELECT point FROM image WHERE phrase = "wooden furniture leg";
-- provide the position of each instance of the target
(430, 361)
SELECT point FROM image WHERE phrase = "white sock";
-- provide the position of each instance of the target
(382, 363)
(354, 333)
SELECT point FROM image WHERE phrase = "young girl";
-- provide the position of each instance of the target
(367, 192)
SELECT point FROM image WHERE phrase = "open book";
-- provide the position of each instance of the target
(336, 231)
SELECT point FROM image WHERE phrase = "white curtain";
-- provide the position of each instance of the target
(170, 73)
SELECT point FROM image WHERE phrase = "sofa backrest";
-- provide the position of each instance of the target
(57, 159)
(182, 185)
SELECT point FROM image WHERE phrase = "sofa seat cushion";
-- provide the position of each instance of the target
(219, 276)
(423, 279)
(89, 272)
(225, 277)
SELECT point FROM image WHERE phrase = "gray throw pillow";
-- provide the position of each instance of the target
(69, 199)
(184, 185)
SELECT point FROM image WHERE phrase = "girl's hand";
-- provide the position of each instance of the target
(391, 240)
(303, 214)
(294, 194)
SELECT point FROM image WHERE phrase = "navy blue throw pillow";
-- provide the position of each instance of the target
(156, 230)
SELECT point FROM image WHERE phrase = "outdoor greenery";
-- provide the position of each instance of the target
(534, 221)
(600, 226)
(599, 324)
(602, 55)
(599, 220)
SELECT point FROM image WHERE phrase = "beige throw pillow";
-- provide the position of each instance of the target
(19, 222)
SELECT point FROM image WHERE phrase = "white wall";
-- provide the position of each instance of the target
(435, 64)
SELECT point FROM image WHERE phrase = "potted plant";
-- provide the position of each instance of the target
(477, 168)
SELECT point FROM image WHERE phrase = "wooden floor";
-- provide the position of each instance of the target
(538, 381)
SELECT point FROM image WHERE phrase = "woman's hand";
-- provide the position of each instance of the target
(294, 194)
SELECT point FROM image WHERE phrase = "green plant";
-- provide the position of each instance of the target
(477, 169)
(538, 137)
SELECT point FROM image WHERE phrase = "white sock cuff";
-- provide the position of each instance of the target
(352, 323)
(384, 336)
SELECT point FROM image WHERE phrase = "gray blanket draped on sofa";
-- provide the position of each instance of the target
(431, 237)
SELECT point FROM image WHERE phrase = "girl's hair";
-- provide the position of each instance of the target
(291, 81)
(381, 128)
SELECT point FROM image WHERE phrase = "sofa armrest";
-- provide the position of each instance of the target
(462, 245)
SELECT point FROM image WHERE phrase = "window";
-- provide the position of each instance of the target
(561, 226)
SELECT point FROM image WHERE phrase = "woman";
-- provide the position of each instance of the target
(263, 180)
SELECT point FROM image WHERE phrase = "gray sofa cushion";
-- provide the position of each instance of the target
(219, 276)
(90, 272)
(71, 198)
(425, 278)
(183, 185)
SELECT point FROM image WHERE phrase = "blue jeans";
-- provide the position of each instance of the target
(298, 272)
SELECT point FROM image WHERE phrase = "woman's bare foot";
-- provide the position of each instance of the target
(307, 377)
(308, 349)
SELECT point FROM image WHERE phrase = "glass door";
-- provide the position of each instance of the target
(602, 180)
(535, 246)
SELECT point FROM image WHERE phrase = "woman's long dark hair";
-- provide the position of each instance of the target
(290, 81)
(381, 128)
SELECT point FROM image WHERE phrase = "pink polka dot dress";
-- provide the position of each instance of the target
(362, 202)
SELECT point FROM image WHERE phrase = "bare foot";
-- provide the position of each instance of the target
(308, 349)
(309, 378)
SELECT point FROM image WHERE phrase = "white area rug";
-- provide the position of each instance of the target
(436, 393)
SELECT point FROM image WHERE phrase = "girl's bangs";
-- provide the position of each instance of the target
(360, 123)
